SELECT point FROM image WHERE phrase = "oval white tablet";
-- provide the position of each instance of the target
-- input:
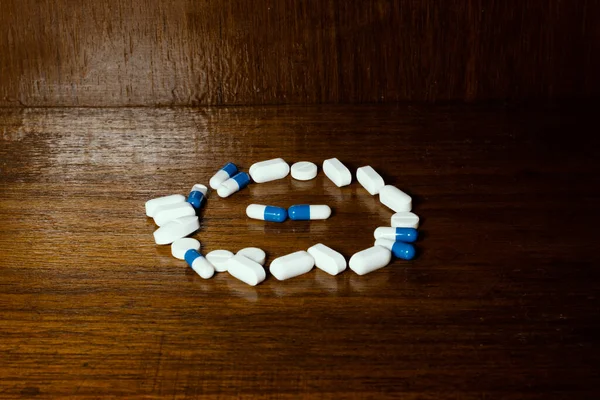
(219, 259)
(370, 179)
(292, 265)
(254, 253)
(170, 212)
(370, 259)
(180, 246)
(337, 172)
(394, 198)
(152, 205)
(270, 170)
(176, 229)
(304, 170)
(246, 270)
(405, 219)
(327, 259)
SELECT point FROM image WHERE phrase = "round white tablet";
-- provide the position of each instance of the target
(304, 170)
(254, 253)
(180, 246)
(219, 259)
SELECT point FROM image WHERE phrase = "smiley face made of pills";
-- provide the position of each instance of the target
(176, 217)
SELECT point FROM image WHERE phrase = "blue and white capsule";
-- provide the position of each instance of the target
(305, 212)
(266, 213)
(407, 235)
(222, 175)
(234, 184)
(405, 251)
(197, 195)
(199, 264)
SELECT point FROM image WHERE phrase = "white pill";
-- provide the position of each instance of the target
(181, 246)
(394, 198)
(292, 265)
(405, 219)
(370, 179)
(270, 170)
(152, 205)
(337, 172)
(254, 253)
(170, 212)
(304, 170)
(370, 259)
(176, 229)
(219, 259)
(327, 259)
(246, 270)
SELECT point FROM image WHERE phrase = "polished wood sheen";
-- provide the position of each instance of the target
(207, 52)
(502, 301)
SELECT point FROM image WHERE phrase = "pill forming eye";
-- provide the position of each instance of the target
(405, 219)
(246, 270)
(305, 212)
(219, 259)
(407, 235)
(199, 264)
(176, 229)
(266, 213)
(304, 171)
(222, 175)
(197, 195)
(327, 259)
(154, 204)
(292, 265)
(337, 172)
(254, 253)
(234, 184)
(405, 251)
(181, 246)
(170, 212)
(370, 179)
(270, 170)
(370, 259)
(394, 198)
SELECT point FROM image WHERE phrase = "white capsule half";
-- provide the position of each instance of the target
(219, 259)
(246, 270)
(394, 198)
(203, 267)
(198, 187)
(304, 170)
(181, 246)
(370, 179)
(327, 259)
(222, 175)
(152, 205)
(370, 259)
(270, 170)
(254, 253)
(169, 212)
(292, 265)
(176, 229)
(337, 172)
(405, 220)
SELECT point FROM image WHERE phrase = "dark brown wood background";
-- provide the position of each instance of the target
(187, 52)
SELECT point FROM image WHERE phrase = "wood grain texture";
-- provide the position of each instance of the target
(185, 52)
(502, 301)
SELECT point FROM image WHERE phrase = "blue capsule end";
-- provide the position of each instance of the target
(190, 256)
(195, 198)
(242, 179)
(299, 212)
(230, 168)
(403, 250)
(407, 235)
(275, 214)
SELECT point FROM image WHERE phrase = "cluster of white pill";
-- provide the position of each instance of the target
(176, 219)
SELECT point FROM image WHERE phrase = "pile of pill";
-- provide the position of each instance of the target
(176, 218)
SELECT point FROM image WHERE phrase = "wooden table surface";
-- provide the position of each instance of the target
(502, 301)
